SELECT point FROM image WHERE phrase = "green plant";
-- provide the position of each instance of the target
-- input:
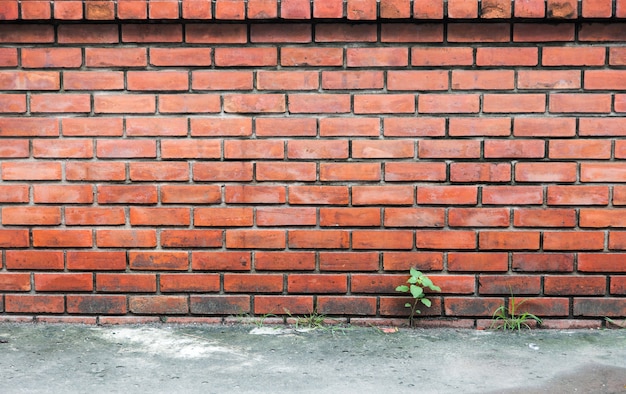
(506, 318)
(613, 322)
(313, 320)
(417, 282)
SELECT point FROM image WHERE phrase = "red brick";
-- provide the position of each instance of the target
(444, 239)
(343, 32)
(377, 57)
(361, 9)
(219, 304)
(601, 127)
(160, 216)
(66, 148)
(51, 57)
(605, 80)
(544, 262)
(62, 238)
(383, 195)
(417, 80)
(478, 262)
(318, 195)
(221, 261)
(161, 80)
(462, 9)
(346, 305)
(465, 306)
(116, 57)
(424, 171)
(286, 216)
(96, 261)
(477, 32)
(483, 80)
(581, 149)
(383, 149)
(14, 148)
(195, 9)
(619, 195)
(126, 149)
(132, 9)
(618, 285)
(90, 80)
(164, 9)
(99, 10)
(350, 217)
(349, 127)
(573, 56)
(33, 259)
(428, 9)
(561, 240)
(230, 9)
(406, 32)
(95, 171)
(29, 80)
(94, 216)
(602, 172)
(574, 285)
(9, 10)
(189, 103)
(512, 195)
(514, 149)
(599, 307)
(119, 238)
(518, 240)
(348, 261)
(277, 33)
(414, 217)
(480, 172)
(32, 171)
(597, 8)
(444, 195)
(191, 238)
(580, 103)
(542, 79)
(442, 56)
(513, 56)
(158, 33)
(87, 34)
(27, 34)
(157, 261)
(349, 172)
(127, 194)
(530, 8)
(143, 127)
(200, 283)
(284, 261)
(218, 127)
(158, 304)
(286, 171)
(254, 149)
(63, 282)
(402, 261)
(222, 80)
(63, 194)
(223, 217)
(484, 126)
(578, 195)
(164, 57)
(254, 103)
(211, 34)
(620, 103)
(33, 216)
(60, 103)
(478, 217)
(88, 127)
(35, 303)
(518, 284)
(532, 32)
(14, 238)
(317, 149)
(495, 9)
(255, 239)
(122, 104)
(11, 281)
(545, 172)
(253, 283)
(287, 80)
(448, 103)
(28, 127)
(190, 149)
(296, 56)
(544, 127)
(413, 127)
(317, 283)
(246, 57)
(319, 239)
(283, 304)
(159, 171)
(319, 103)
(253, 194)
(14, 193)
(601, 218)
(521, 103)
(222, 171)
(458, 149)
(262, 9)
(544, 217)
(562, 9)
(8, 57)
(601, 262)
(376, 283)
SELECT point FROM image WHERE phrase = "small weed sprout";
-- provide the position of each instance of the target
(417, 282)
(505, 318)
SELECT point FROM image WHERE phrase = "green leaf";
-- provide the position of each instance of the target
(426, 281)
(415, 272)
(416, 291)
(426, 302)
(402, 288)
(407, 305)
(412, 280)
(435, 288)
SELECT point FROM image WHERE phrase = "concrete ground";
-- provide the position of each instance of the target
(39, 358)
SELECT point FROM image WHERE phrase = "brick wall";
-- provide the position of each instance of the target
(260, 157)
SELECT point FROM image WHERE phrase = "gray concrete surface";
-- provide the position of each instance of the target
(39, 358)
